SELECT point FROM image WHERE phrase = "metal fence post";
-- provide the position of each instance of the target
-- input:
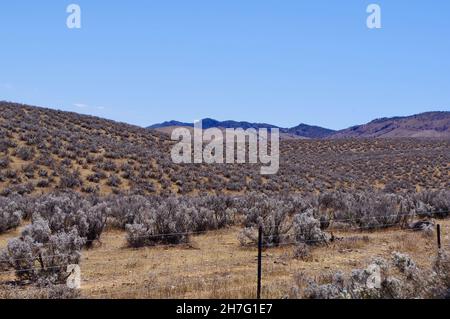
(260, 244)
(439, 235)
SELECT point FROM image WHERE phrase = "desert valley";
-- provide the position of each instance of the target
(345, 207)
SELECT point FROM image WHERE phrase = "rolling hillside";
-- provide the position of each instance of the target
(43, 150)
(425, 125)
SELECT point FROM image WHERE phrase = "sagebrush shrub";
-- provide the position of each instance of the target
(441, 267)
(67, 211)
(372, 210)
(378, 282)
(70, 180)
(11, 213)
(168, 223)
(223, 210)
(4, 162)
(25, 153)
(39, 254)
(33, 260)
(433, 203)
(123, 210)
(113, 181)
(307, 229)
(201, 213)
(273, 216)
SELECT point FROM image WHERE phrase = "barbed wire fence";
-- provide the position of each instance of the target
(206, 272)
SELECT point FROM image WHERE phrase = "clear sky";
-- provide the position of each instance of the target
(276, 61)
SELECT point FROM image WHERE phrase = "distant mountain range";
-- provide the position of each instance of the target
(431, 125)
(300, 131)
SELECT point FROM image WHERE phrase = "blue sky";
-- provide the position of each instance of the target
(281, 62)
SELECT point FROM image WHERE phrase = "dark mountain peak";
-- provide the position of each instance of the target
(310, 131)
(169, 123)
(209, 123)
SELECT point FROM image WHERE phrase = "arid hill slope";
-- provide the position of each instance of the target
(425, 125)
(43, 150)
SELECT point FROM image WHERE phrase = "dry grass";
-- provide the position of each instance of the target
(214, 265)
